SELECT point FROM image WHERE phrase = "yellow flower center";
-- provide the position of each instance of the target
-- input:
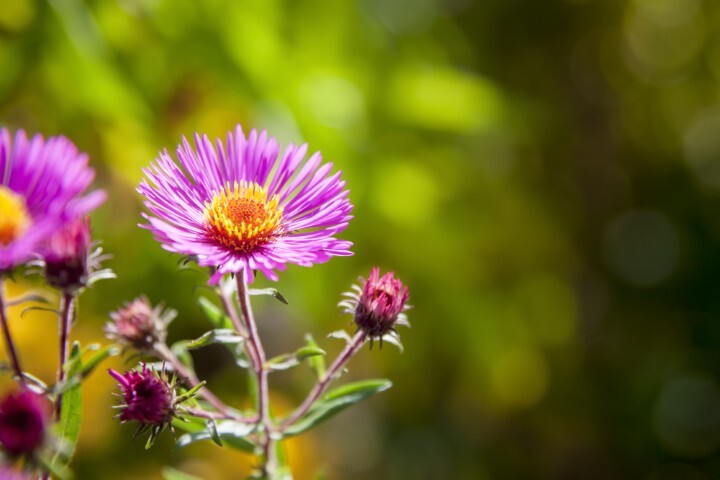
(14, 217)
(241, 216)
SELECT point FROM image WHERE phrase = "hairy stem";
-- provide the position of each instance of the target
(67, 309)
(321, 386)
(10, 346)
(269, 466)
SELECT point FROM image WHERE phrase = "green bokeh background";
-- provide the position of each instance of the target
(543, 174)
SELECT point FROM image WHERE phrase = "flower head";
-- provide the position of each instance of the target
(239, 207)
(378, 305)
(148, 398)
(66, 256)
(24, 417)
(139, 325)
(41, 189)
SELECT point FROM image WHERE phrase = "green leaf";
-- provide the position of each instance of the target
(89, 365)
(189, 424)
(230, 433)
(29, 297)
(214, 314)
(70, 411)
(337, 400)
(268, 291)
(57, 469)
(212, 430)
(289, 360)
(181, 352)
(318, 361)
(170, 473)
(225, 336)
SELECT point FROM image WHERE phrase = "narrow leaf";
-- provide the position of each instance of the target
(225, 336)
(181, 351)
(212, 429)
(70, 411)
(289, 360)
(337, 400)
(229, 432)
(29, 297)
(268, 291)
(214, 314)
(317, 362)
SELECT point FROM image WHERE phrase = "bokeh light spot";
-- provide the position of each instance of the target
(702, 148)
(405, 193)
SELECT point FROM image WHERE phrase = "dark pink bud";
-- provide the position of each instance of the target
(139, 324)
(378, 305)
(24, 417)
(66, 256)
(148, 399)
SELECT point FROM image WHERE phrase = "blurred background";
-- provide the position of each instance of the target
(544, 175)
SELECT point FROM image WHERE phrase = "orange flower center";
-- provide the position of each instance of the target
(241, 216)
(14, 217)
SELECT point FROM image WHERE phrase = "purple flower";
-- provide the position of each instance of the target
(378, 305)
(148, 398)
(66, 256)
(24, 417)
(41, 189)
(139, 324)
(239, 206)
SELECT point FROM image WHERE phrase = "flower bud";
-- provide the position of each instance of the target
(24, 417)
(378, 305)
(139, 325)
(66, 256)
(148, 398)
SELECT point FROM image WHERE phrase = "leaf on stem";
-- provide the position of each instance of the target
(337, 400)
(212, 429)
(214, 314)
(70, 412)
(226, 336)
(289, 360)
(340, 334)
(317, 362)
(273, 292)
(230, 433)
(181, 352)
(28, 297)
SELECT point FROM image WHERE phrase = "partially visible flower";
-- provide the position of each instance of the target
(41, 190)
(378, 305)
(239, 207)
(139, 325)
(24, 418)
(147, 397)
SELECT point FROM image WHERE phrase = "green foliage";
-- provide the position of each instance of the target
(337, 400)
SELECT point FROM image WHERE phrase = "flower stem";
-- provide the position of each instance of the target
(269, 466)
(320, 387)
(165, 354)
(12, 353)
(67, 308)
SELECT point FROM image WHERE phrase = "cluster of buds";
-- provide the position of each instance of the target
(149, 398)
(378, 305)
(24, 419)
(139, 325)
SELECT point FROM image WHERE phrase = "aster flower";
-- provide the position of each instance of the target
(150, 399)
(41, 189)
(377, 305)
(24, 418)
(239, 207)
(139, 325)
